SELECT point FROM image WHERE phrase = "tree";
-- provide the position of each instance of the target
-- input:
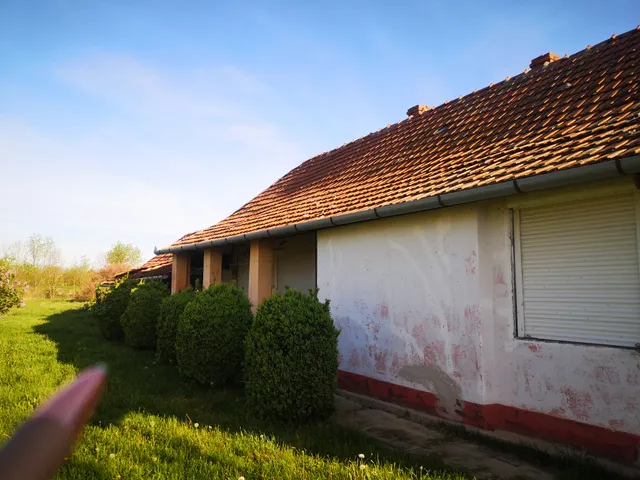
(50, 277)
(124, 254)
(42, 251)
(79, 274)
(41, 268)
(13, 252)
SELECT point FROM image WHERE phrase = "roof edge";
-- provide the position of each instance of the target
(585, 173)
(156, 271)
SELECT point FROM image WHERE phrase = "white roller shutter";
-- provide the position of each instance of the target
(578, 271)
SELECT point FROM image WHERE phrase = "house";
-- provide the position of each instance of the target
(481, 257)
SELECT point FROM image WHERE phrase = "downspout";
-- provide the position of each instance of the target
(563, 178)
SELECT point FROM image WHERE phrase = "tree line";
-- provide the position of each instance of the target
(37, 263)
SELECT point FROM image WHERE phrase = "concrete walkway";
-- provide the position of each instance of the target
(477, 460)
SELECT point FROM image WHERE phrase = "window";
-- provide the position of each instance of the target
(577, 271)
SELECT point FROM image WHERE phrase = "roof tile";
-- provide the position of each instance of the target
(158, 265)
(526, 125)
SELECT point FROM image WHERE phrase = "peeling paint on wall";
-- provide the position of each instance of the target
(426, 301)
(606, 374)
(434, 353)
(470, 264)
(580, 404)
(396, 313)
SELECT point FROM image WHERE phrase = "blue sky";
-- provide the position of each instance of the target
(144, 120)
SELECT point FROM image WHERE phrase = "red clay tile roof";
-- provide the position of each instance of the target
(577, 110)
(158, 265)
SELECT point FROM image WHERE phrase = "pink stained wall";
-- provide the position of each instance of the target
(425, 301)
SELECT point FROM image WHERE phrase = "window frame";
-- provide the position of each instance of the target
(517, 267)
(538, 199)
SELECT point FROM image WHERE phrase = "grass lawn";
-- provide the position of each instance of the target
(154, 424)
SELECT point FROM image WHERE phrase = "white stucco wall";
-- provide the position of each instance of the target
(295, 263)
(425, 301)
(404, 292)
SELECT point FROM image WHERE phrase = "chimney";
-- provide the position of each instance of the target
(417, 110)
(539, 62)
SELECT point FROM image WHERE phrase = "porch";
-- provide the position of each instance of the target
(259, 267)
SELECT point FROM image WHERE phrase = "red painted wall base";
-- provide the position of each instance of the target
(598, 440)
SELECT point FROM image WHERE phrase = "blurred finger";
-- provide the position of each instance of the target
(38, 448)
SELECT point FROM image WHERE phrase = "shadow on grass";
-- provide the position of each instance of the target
(137, 383)
(83, 469)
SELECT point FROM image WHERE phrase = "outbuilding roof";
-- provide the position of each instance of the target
(158, 265)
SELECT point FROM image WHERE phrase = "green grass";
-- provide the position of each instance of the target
(153, 424)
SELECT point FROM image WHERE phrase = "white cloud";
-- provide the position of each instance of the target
(162, 156)
(132, 86)
(53, 191)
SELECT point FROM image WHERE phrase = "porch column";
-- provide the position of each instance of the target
(212, 267)
(260, 271)
(180, 272)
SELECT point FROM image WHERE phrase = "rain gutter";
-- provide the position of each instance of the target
(599, 171)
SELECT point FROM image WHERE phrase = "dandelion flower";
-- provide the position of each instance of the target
(240, 478)
(112, 455)
(152, 423)
(361, 456)
(97, 449)
(362, 467)
(154, 459)
(117, 476)
(196, 425)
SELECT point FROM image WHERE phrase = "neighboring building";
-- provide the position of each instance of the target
(159, 267)
(481, 257)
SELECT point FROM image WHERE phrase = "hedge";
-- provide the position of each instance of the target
(291, 362)
(140, 319)
(170, 311)
(110, 306)
(211, 333)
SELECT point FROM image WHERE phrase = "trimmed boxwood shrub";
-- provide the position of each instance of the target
(170, 311)
(291, 363)
(141, 316)
(110, 307)
(211, 333)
